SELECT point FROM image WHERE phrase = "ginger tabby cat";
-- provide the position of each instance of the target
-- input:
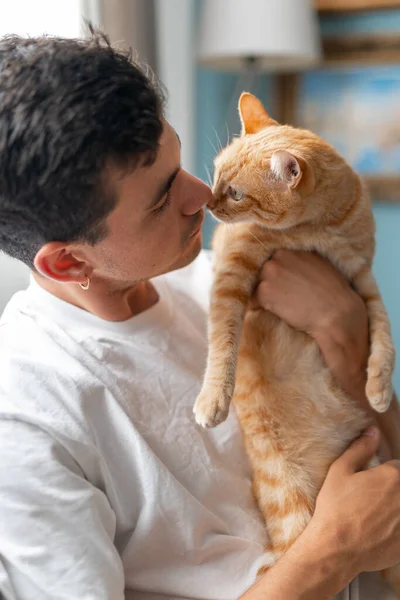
(281, 187)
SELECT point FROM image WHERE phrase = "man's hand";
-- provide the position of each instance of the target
(360, 508)
(308, 293)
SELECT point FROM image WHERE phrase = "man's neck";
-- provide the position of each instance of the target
(103, 300)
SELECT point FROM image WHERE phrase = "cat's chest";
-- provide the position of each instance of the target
(348, 255)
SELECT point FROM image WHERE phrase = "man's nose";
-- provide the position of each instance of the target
(195, 194)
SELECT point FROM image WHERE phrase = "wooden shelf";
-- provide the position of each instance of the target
(377, 48)
(345, 5)
(383, 188)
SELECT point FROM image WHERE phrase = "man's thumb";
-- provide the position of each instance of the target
(360, 452)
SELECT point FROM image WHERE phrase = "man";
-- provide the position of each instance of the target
(108, 488)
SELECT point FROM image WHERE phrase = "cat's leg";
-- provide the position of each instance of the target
(235, 279)
(382, 354)
(287, 511)
(268, 560)
(281, 488)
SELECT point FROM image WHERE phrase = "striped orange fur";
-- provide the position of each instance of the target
(281, 187)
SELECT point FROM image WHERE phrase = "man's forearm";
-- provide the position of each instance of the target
(313, 569)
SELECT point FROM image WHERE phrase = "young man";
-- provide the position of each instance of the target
(108, 488)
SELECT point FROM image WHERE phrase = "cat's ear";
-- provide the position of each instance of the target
(293, 171)
(253, 115)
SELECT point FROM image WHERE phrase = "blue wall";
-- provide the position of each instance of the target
(217, 95)
(387, 269)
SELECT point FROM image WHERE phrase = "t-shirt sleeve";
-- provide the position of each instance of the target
(56, 528)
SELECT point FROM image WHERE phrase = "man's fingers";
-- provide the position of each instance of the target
(260, 297)
(357, 456)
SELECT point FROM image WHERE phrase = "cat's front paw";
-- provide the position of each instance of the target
(211, 407)
(379, 390)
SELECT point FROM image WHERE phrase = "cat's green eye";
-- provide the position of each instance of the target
(235, 194)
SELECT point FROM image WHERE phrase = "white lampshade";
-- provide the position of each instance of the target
(280, 34)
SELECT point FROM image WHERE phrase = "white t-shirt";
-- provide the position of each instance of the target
(108, 488)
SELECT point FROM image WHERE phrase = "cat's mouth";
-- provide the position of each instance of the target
(221, 215)
(270, 220)
(217, 211)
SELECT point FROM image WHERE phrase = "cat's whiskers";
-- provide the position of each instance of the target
(209, 175)
(218, 139)
(255, 237)
(228, 135)
(212, 145)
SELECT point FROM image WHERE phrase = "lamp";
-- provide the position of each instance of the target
(269, 35)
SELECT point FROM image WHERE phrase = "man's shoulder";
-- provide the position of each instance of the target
(29, 342)
(40, 381)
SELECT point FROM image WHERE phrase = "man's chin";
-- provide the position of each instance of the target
(191, 252)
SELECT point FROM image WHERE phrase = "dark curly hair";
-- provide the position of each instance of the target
(67, 109)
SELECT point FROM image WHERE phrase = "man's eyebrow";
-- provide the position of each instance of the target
(163, 189)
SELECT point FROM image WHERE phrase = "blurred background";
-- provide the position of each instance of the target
(329, 65)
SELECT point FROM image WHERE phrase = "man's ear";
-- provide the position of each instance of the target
(56, 261)
(253, 115)
(293, 170)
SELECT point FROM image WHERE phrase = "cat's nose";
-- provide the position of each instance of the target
(211, 203)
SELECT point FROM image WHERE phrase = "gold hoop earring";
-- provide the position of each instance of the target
(86, 286)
